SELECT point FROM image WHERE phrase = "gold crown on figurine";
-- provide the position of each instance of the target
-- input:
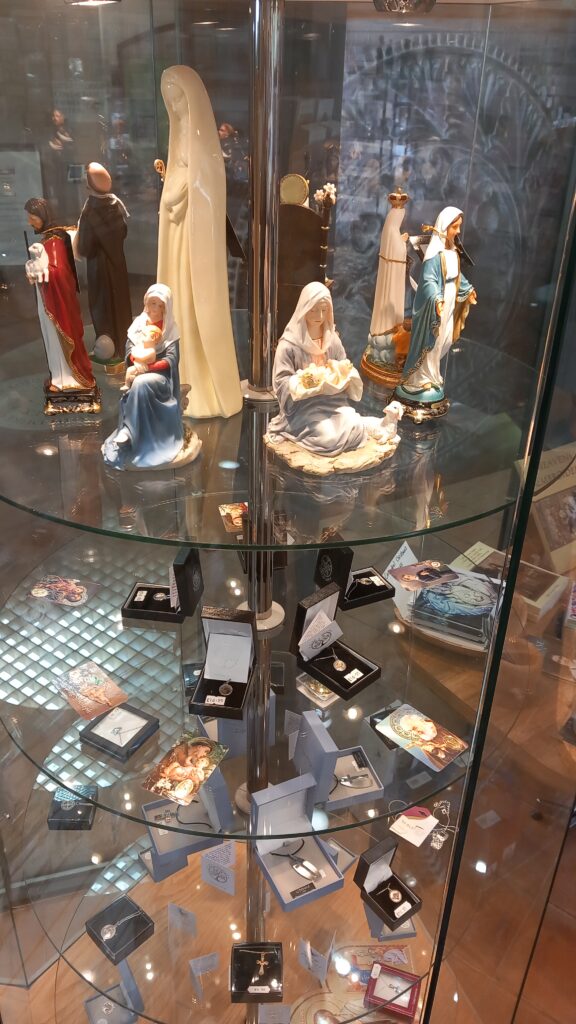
(398, 196)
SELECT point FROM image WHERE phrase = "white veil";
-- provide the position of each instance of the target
(295, 330)
(170, 331)
(437, 243)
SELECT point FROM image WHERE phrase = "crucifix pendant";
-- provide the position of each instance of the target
(262, 963)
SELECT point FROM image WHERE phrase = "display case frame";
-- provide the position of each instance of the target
(449, 485)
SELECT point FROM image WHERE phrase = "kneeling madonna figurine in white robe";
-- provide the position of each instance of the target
(313, 381)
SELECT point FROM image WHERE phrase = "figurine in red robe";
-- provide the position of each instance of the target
(71, 386)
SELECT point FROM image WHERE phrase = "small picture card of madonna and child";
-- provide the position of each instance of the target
(62, 590)
(421, 575)
(421, 736)
(185, 768)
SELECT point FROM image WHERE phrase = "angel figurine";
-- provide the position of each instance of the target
(441, 305)
(315, 382)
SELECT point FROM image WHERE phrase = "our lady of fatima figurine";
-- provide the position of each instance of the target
(389, 334)
(441, 305)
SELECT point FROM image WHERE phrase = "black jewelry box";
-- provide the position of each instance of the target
(358, 671)
(120, 928)
(256, 972)
(150, 602)
(377, 882)
(121, 731)
(73, 811)
(225, 680)
(358, 586)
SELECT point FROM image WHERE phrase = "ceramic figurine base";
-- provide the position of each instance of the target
(73, 400)
(188, 452)
(386, 377)
(372, 453)
(424, 408)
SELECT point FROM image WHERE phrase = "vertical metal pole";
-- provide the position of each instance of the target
(266, 28)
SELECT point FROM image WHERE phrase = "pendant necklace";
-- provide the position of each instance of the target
(301, 866)
(109, 930)
(337, 663)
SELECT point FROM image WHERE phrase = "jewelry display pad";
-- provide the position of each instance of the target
(129, 927)
(365, 586)
(151, 602)
(397, 990)
(288, 884)
(256, 972)
(358, 673)
(120, 732)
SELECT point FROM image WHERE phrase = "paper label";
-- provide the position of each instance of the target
(204, 964)
(215, 699)
(418, 780)
(140, 595)
(309, 887)
(398, 911)
(174, 596)
(181, 919)
(313, 961)
(224, 854)
(291, 722)
(218, 876)
(320, 634)
(376, 968)
(354, 675)
(258, 988)
(414, 829)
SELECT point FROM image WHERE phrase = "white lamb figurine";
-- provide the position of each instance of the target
(393, 412)
(37, 268)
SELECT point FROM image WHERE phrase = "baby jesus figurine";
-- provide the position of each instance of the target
(332, 378)
(143, 353)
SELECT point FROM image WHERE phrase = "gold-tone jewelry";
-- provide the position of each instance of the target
(388, 259)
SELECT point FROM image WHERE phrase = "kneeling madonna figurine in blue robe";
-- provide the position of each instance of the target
(150, 432)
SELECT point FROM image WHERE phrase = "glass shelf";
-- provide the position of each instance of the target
(444, 473)
(44, 642)
(160, 965)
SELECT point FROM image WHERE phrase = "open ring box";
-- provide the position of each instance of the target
(317, 647)
(395, 990)
(287, 808)
(316, 752)
(172, 602)
(231, 644)
(376, 880)
(358, 586)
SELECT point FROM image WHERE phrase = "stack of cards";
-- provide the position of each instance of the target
(462, 606)
(185, 768)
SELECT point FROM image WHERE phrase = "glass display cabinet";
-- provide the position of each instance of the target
(253, 714)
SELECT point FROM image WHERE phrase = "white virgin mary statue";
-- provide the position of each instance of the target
(192, 257)
(389, 300)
